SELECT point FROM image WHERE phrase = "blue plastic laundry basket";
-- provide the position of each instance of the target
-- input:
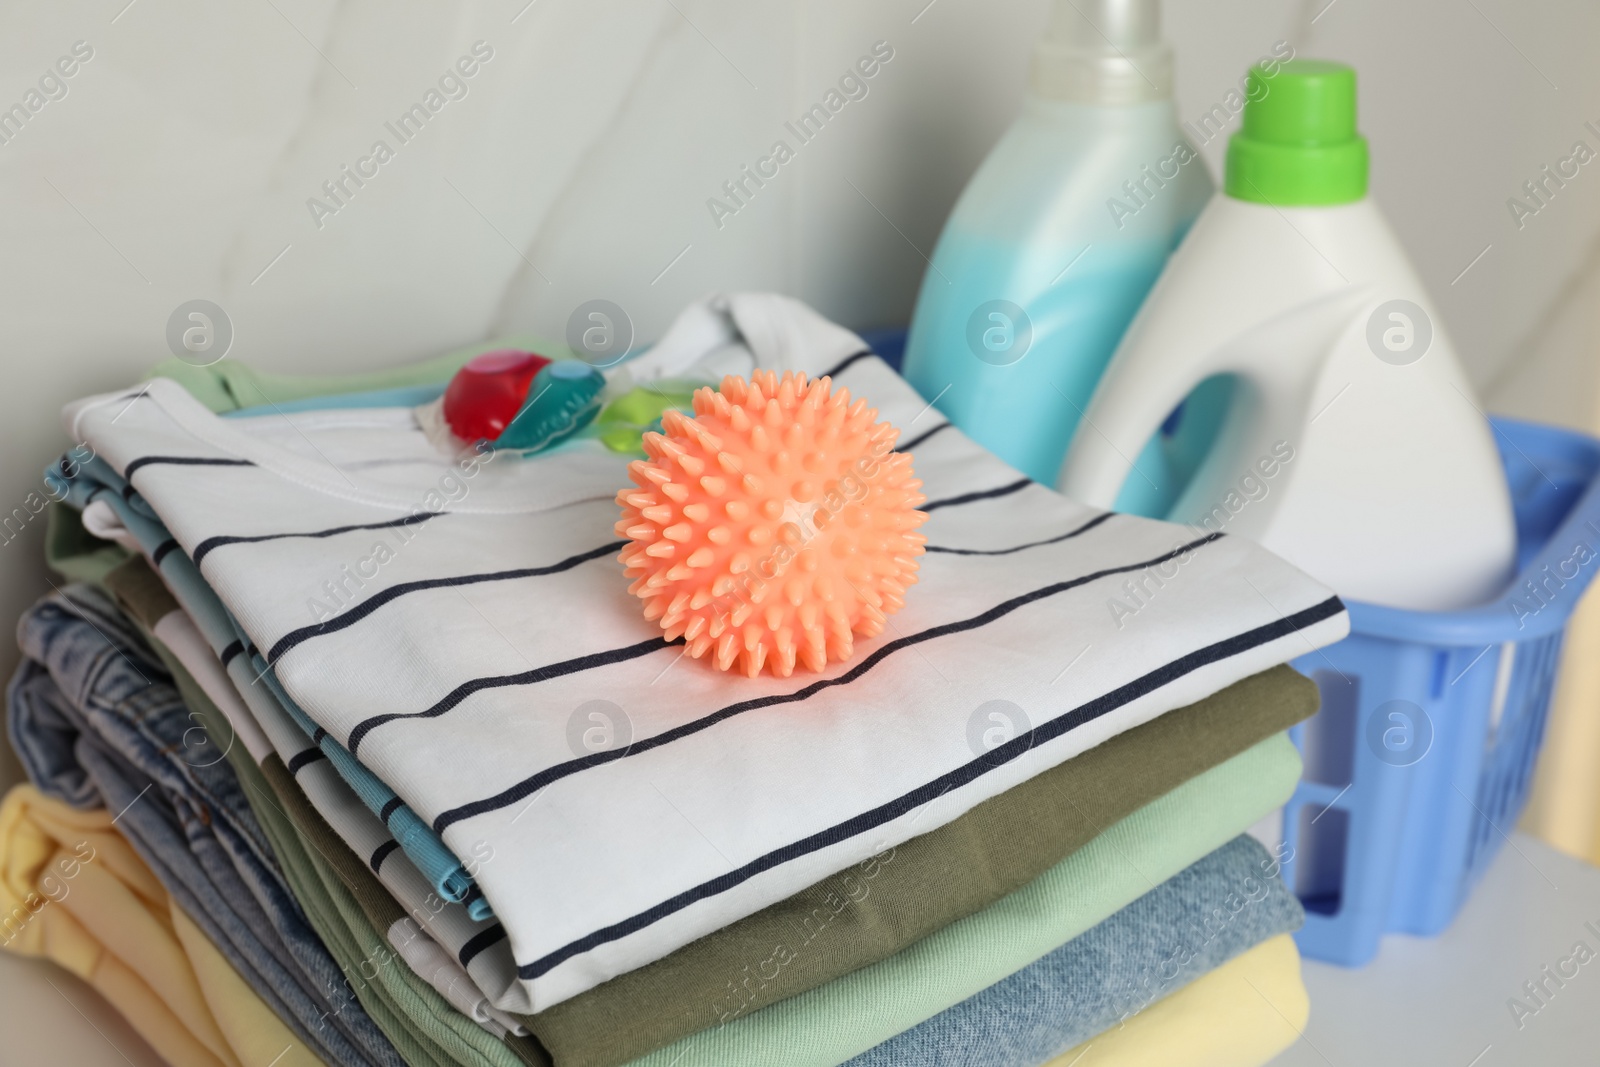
(1419, 763)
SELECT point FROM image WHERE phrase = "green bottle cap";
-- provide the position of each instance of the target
(1298, 144)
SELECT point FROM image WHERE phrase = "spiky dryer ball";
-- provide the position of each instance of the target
(773, 525)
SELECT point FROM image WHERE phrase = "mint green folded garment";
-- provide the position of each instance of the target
(830, 1024)
(228, 385)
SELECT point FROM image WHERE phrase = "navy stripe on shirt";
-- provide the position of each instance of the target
(480, 941)
(1069, 535)
(360, 611)
(205, 547)
(982, 494)
(181, 461)
(304, 759)
(845, 364)
(906, 446)
(538, 674)
(381, 853)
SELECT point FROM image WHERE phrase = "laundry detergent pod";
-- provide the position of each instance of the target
(624, 422)
(563, 399)
(486, 393)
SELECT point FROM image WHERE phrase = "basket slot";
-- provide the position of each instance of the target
(1324, 834)
(1328, 744)
(1512, 747)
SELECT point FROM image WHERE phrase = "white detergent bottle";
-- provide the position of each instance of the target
(1057, 239)
(1353, 446)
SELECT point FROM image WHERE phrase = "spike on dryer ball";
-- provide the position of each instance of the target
(772, 526)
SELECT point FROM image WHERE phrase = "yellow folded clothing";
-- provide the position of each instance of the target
(1240, 1015)
(73, 891)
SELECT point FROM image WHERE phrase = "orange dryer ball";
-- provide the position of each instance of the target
(774, 525)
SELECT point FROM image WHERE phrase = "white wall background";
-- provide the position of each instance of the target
(179, 163)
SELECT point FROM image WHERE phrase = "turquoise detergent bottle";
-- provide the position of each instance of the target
(1055, 242)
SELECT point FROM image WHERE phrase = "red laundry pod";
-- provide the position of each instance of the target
(486, 394)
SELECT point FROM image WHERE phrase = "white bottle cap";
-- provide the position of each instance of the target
(1103, 52)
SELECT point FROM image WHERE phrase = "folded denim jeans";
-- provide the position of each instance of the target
(96, 722)
(1185, 927)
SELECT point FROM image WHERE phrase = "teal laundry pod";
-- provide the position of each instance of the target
(564, 398)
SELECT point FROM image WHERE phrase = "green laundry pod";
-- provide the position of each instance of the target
(633, 414)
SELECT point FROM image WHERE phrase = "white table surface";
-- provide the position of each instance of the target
(1437, 1002)
(1442, 1002)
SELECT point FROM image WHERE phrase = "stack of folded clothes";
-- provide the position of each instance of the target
(373, 749)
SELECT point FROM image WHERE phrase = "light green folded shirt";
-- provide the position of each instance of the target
(229, 385)
(830, 1024)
